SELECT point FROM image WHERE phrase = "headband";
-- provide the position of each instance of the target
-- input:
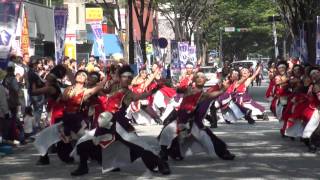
(127, 74)
(94, 76)
(314, 71)
(282, 66)
(189, 66)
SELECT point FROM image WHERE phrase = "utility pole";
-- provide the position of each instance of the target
(220, 48)
(130, 27)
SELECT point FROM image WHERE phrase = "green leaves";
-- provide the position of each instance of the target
(251, 14)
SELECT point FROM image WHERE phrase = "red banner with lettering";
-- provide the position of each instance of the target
(25, 41)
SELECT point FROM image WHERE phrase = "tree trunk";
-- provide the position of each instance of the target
(204, 52)
(311, 41)
(143, 46)
(130, 27)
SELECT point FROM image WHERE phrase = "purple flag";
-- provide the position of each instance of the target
(60, 24)
(318, 41)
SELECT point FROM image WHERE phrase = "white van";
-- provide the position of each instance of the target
(244, 63)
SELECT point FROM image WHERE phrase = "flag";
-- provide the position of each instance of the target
(60, 25)
(25, 41)
(175, 65)
(318, 41)
(9, 13)
(98, 34)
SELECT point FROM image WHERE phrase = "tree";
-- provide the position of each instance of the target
(185, 16)
(298, 14)
(250, 14)
(143, 21)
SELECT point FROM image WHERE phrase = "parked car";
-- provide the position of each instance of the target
(244, 63)
(211, 75)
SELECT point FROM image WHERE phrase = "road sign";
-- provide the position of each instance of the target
(229, 29)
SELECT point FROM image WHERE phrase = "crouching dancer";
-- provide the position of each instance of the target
(186, 130)
(115, 143)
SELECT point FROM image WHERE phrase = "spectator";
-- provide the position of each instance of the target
(36, 82)
(4, 112)
(90, 66)
(29, 122)
(11, 84)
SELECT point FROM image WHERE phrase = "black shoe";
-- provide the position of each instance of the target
(164, 168)
(250, 120)
(312, 148)
(43, 160)
(228, 156)
(259, 116)
(228, 122)
(115, 170)
(80, 171)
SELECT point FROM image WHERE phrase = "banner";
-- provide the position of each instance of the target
(25, 41)
(183, 53)
(9, 13)
(60, 24)
(97, 31)
(94, 15)
(70, 47)
(192, 54)
(187, 53)
(318, 41)
(175, 65)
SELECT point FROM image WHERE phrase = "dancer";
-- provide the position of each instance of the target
(280, 91)
(115, 137)
(140, 84)
(185, 127)
(244, 100)
(70, 126)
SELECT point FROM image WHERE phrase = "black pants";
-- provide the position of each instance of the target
(72, 122)
(315, 137)
(220, 146)
(88, 150)
(213, 118)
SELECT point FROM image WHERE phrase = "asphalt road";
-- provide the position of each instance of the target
(260, 154)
